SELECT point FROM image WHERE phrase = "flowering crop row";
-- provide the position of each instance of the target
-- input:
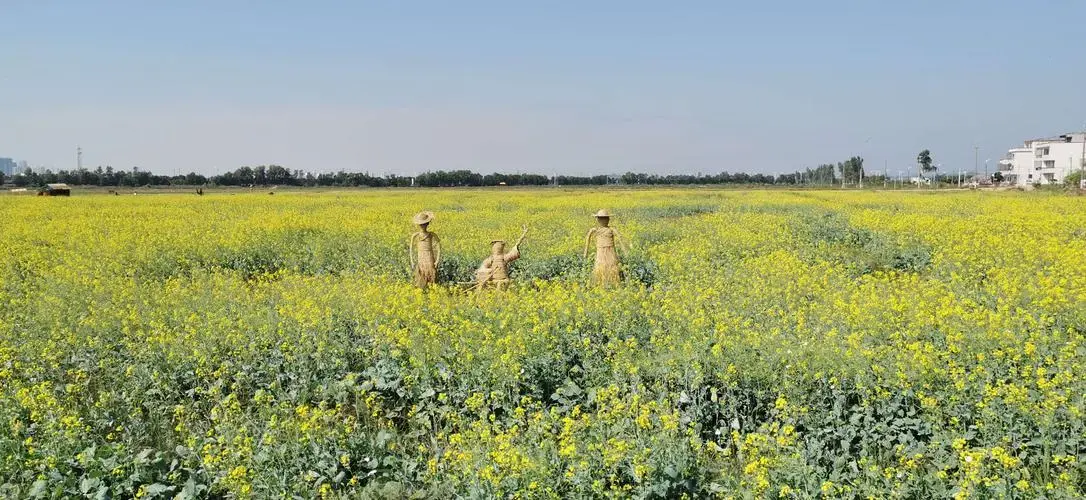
(765, 344)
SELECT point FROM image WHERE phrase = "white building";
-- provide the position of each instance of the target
(1044, 161)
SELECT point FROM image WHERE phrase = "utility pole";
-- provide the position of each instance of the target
(1082, 161)
(78, 158)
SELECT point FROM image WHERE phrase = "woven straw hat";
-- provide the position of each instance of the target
(423, 217)
(603, 213)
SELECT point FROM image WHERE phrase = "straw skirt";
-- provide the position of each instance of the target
(606, 271)
(425, 271)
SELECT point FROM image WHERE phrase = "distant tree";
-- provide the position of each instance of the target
(260, 175)
(925, 162)
(278, 175)
(997, 177)
(787, 179)
(821, 175)
(851, 169)
(195, 179)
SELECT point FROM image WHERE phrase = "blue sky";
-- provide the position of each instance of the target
(561, 86)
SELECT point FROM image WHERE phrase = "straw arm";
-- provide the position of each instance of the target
(437, 250)
(522, 235)
(480, 283)
(620, 241)
(411, 249)
(587, 242)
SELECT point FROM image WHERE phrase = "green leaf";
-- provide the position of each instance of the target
(189, 491)
(158, 489)
(89, 484)
(37, 490)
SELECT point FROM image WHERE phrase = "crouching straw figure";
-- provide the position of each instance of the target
(426, 246)
(606, 271)
(494, 271)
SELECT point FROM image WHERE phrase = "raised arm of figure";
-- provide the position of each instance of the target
(587, 242)
(521, 239)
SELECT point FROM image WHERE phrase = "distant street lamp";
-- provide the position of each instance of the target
(861, 160)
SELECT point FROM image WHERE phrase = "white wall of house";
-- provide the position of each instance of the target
(1044, 161)
(1017, 167)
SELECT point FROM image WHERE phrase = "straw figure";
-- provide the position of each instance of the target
(494, 271)
(424, 250)
(606, 271)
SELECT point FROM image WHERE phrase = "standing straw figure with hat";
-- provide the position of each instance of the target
(606, 271)
(427, 246)
(494, 271)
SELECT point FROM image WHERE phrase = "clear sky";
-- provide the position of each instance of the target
(602, 86)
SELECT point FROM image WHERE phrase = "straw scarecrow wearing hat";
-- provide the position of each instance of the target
(424, 250)
(606, 271)
(494, 271)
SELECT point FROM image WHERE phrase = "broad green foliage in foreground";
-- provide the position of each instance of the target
(768, 344)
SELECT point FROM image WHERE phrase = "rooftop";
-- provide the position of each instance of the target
(1068, 137)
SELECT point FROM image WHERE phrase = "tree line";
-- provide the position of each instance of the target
(277, 175)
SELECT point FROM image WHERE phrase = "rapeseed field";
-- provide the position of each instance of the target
(765, 344)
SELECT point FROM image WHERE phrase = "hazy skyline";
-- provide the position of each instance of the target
(565, 87)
